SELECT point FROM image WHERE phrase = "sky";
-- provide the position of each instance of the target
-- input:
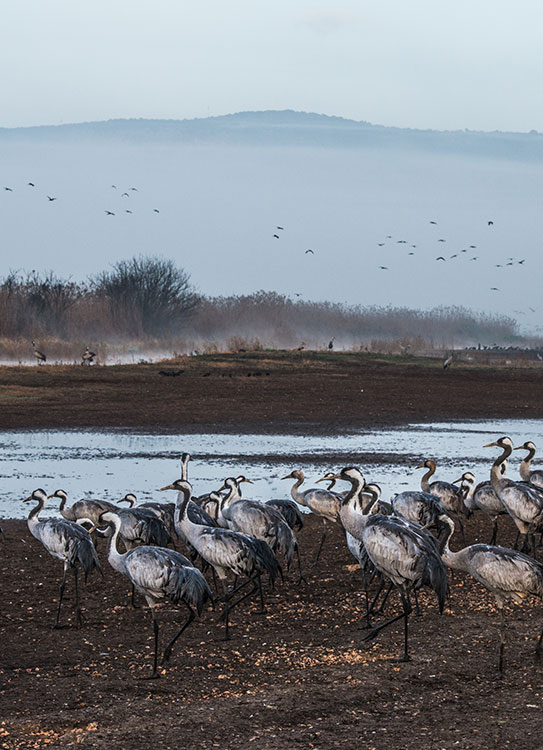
(440, 64)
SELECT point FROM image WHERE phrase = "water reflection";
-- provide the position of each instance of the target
(107, 464)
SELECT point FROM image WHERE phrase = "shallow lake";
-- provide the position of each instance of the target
(107, 464)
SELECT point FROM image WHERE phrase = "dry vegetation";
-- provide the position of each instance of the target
(146, 307)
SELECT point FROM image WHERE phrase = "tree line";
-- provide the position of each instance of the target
(151, 298)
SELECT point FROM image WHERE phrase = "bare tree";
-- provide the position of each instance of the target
(147, 295)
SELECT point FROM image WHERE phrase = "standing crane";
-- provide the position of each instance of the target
(527, 475)
(263, 522)
(226, 551)
(506, 573)
(82, 510)
(422, 508)
(401, 551)
(87, 358)
(40, 356)
(67, 542)
(482, 497)
(320, 502)
(159, 574)
(523, 502)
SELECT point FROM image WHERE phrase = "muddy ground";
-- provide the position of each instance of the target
(298, 676)
(266, 392)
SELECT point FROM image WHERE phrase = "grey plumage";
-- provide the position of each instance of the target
(159, 574)
(534, 476)
(68, 542)
(290, 512)
(506, 573)
(81, 509)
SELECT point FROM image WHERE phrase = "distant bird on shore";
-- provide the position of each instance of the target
(448, 362)
(331, 344)
(88, 356)
(51, 198)
(109, 213)
(40, 356)
(301, 347)
(309, 251)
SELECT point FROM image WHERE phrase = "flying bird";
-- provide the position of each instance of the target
(383, 268)
(440, 258)
(31, 184)
(309, 251)
(51, 198)
(411, 253)
(276, 236)
(125, 195)
(127, 211)
(433, 222)
(473, 247)
(455, 255)
(490, 223)
(476, 257)
(442, 240)
(132, 188)
(156, 210)
(521, 261)
(494, 289)
(109, 213)
(281, 228)
(380, 244)
(10, 190)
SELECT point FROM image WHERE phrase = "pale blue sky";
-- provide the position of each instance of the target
(424, 63)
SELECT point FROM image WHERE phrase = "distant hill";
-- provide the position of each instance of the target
(289, 129)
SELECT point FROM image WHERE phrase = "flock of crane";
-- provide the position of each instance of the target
(402, 544)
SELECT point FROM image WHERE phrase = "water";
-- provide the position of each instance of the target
(107, 464)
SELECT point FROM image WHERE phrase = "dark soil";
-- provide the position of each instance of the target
(299, 676)
(266, 392)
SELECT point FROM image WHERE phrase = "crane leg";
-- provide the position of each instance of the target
(316, 560)
(407, 609)
(78, 614)
(262, 607)
(229, 607)
(499, 675)
(494, 531)
(382, 605)
(133, 598)
(62, 587)
(417, 608)
(168, 649)
(300, 574)
(462, 530)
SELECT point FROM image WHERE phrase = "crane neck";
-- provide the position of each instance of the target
(525, 465)
(233, 494)
(115, 558)
(181, 518)
(185, 468)
(295, 493)
(33, 520)
(497, 474)
(425, 480)
(450, 558)
(128, 500)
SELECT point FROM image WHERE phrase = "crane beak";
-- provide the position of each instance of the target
(490, 445)
(167, 487)
(288, 476)
(329, 478)
(420, 466)
(247, 480)
(27, 499)
(221, 489)
(50, 496)
(455, 481)
(520, 448)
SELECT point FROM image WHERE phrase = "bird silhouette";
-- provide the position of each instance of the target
(473, 247)
(441, 240)
(125, 195)
(127, 211)
(490, 223)
(109, 213)
(10, 190)
(440, 257)
(51, 198)
(31, 184)
(309, 251)
(433, 222)
(281, 228)
(380, 244)
(520, 262)
(494, 289)
(276, 236)
(156, 210)
(133, 188)
(383, 268)
(454, 255)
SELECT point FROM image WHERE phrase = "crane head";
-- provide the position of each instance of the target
(296, 474)
(129, 498)
(503, 442)
(428, 464)
(38, 495)
(528, 446)
(61, 494)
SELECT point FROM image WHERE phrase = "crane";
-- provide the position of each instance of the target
(226, 551)
(506, 573)
(67, 542)
(159, 574)
(536, 476)
(400, 550)
(40, 356)
(447, 493)
(320, 502)
(82, 510)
